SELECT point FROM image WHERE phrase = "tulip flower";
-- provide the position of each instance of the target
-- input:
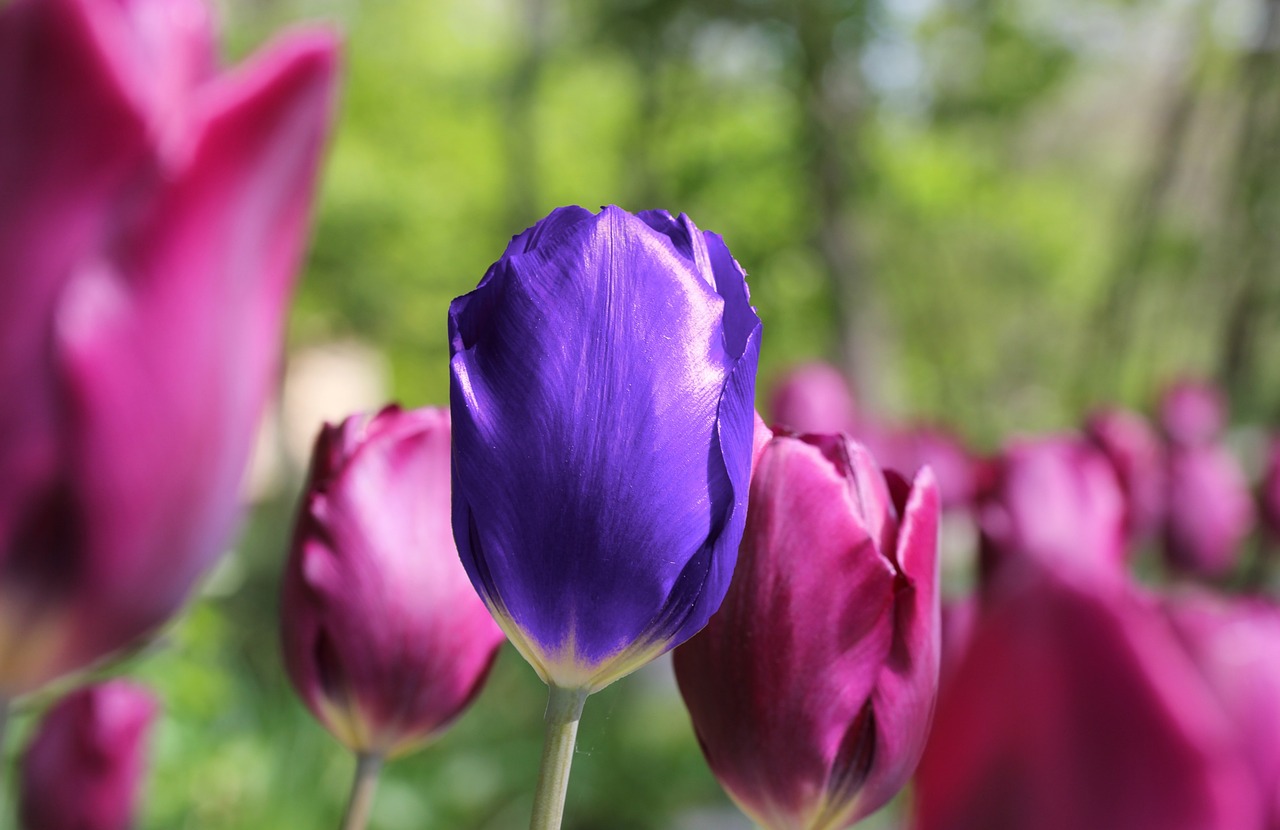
(152, 215)
(811, 690)
(85, 766)
(912, 448)
(1075, 706)
(1137, 458)
(1192, 412)
(603, 374)
(383, 636)
(814, 397)
(1210, 510)
(1052, 503)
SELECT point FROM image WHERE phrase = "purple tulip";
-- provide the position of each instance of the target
(814, 397)
(602, 381)
(1137, 457)
(152, 215)
(1270, 493)
(84, 768)
(812, 688)
(912, 448)
(1052, 503)
(1210, 510)
(1075, 707)
(1192, 412)
(384, 637)
(1236, 644)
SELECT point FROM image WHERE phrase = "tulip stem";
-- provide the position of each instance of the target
(564, 709)
(361, 802)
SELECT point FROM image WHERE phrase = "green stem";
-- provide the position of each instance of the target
(362, 788)
(564, 709)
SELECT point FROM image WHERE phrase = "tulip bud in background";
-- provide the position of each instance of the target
(1209, 510)
(383, 636)
(144, 276)
(814, 397)
(1136, 456)
(603, 374)
(1075, 706)
(1053, 503)
(1269, 496)
(1192, 412)
(811, 690)
(85, 766)
(912, 448)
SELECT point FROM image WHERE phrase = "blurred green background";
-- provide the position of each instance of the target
(994, 214)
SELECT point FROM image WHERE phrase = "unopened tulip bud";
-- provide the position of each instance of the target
(1210, 510)
(811, 689)
(84, 768)
(814, 397)
(1133, 448)
(1192, 412)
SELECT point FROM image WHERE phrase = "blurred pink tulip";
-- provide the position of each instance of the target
(84, 768)
(909, 449)
(384, 637)
(812, 687)
(1076, 708)
(1137, 457)
(814, 397)
(1192, 412)
(152, 215)
(1053, 503)
(1210, 510)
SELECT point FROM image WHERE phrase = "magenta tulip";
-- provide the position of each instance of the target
(1137, 457)
(911, 448)
(1075, 707)
(1210, 510)
(811, 689)
(1052, 503)
(814, 397)
(84, 768)
(384, 638)
(152, 215)
(1270, 493)
(1192, 412)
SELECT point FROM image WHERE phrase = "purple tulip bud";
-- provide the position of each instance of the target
(814, 397)
(603, 375)
(1210, 510)
(812, 688)
(1136, 456)
(152, 215)
(1270, 493)
(1236, 644)
(1192, 412)
(383, 636)
(1074, 706)
(84, 768)
(1052, 503)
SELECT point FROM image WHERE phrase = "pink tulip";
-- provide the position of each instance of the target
(814, 397)
(1270, 494)
(384, 637)
(85, 767)
(152, 216)
(1053, 503)
(911, 448)
(1137, 457)
(811, 689)
(1210, 510)
(1076, 708)
(1192, 412)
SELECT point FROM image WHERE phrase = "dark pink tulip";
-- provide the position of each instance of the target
(912, 448)
(1270, 493)
(1210, 510)
(1136, 455)
(152, 215)
(1076, 708)
(1192, 412)
(1236, 644)
(811, 688)
(1052, 503)
(384, 637)
(814, 397)
(84, 768)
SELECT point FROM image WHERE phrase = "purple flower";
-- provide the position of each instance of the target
(811, 690)
(602, 381)
(1192, 412)
(383, 636)
(911, 448)
(1075, 706)
(1210, 510)
(85, 766)
(814, 397)
(152, 214)
(1137, 457)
